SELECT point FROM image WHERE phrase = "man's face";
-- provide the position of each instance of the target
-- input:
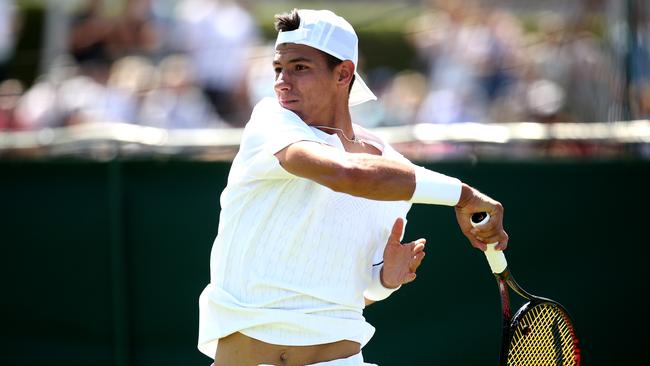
(304, 83)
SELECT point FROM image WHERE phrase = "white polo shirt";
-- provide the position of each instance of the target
(292, 258)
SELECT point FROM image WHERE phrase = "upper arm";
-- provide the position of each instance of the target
(315, 161)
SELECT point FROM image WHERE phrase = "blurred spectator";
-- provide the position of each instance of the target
(10, 92)
(641, 100)
(260, 75)
(90, 36)
(402, 98)
(94, 37)
(640, 62)
(131, 78)
(64, 97)
(483, 66)
(569, 66)
(545, 100)
(218, 36)
(40, 106)
(86, 100)
(136, 31)
(37, 108)
(177, 102)
(97, 40)
(8, 30)
(462, 52)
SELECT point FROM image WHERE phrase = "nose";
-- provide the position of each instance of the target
(282, 82)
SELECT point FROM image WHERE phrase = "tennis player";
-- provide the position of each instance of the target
(313, 213)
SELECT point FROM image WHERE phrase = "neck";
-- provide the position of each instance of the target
(353, 139)
(338, 117)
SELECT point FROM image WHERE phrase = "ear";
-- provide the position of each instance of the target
(345, 72)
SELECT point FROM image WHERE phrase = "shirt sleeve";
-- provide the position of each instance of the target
(270, 129)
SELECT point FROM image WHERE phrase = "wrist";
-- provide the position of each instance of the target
(376, 291)
(435, 188)
(466, 195)
(386, 285)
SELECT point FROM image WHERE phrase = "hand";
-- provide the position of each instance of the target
(400, 260)
(473, 201)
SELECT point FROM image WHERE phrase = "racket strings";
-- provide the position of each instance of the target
(543, 336)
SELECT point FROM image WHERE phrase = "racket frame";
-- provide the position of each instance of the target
(506, 281)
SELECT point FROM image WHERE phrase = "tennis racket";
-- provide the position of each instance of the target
(541, 333)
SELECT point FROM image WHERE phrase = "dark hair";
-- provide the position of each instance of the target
(291, 21)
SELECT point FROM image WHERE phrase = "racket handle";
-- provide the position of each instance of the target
(496, 259)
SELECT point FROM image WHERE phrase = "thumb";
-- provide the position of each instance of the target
(397, 231)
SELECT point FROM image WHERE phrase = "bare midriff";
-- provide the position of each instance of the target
(241, 350)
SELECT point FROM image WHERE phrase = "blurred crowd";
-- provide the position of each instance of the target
(180, 64)
(204, 64)
(484, 64)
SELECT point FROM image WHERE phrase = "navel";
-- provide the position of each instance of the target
(284, 356)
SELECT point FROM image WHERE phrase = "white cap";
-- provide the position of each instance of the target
(328, 32)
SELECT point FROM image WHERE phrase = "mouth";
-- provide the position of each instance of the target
(287, 102)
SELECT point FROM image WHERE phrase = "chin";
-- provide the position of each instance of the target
(294, 107)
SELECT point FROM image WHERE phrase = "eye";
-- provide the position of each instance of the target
(277, 70)
(300, 67)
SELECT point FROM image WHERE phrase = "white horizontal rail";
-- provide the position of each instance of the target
(630, 132)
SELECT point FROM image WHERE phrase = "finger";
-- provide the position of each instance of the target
(488, 227)
(496, 211)
(477, 244)
(503, 242)
(418, 245)
(497, 238)
(417, 260)
(397, 231)
(410, 277)
(464, 221)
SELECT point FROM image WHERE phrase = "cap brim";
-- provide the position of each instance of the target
(360, 92)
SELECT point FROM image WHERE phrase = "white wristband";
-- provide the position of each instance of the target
(376, 291)
(435, 188)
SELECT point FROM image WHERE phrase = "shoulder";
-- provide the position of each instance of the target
(377, 141)
(370, 137)
(274, 127)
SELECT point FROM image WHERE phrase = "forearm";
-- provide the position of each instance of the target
(377, 178)
(384, 179)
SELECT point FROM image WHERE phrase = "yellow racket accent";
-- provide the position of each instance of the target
(543, 336)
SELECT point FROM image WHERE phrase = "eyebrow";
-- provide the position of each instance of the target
(294, 60)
